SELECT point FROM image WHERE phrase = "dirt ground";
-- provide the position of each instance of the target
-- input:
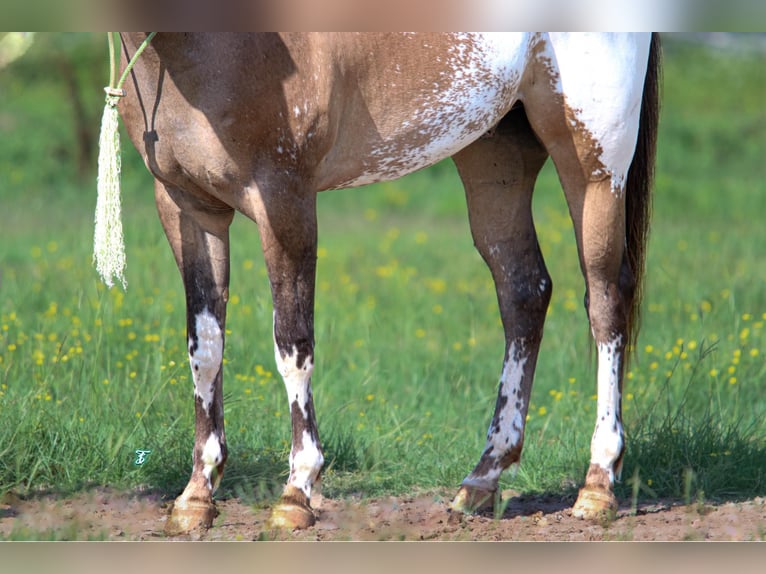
(105, 514)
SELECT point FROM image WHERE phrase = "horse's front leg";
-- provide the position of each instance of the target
(198, 232)
(288, 231)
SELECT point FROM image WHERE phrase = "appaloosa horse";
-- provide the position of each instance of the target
(259, 123)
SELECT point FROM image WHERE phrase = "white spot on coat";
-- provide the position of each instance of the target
(212, 456)
(206, 360)
(602, 78)
(486, 69)
(297, 379)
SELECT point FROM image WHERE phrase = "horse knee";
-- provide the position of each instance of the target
(531, 294)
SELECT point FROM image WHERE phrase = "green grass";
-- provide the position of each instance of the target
(409, 342)
(72, 531)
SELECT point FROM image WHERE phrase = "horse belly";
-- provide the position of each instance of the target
(462, 87)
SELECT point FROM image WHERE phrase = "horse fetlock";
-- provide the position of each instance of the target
(213, 457)
(306, 463)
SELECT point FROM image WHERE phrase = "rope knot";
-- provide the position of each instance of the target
(113, 96)
(115, 92)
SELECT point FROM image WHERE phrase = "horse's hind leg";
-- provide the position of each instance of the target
(198, 232)
(592, 160)
(599, 216)
(499, 172)
(288, 229)
(610, 287)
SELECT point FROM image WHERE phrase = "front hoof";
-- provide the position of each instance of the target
(471, 499)
(595, 504)
(188, 515)
(293, 511)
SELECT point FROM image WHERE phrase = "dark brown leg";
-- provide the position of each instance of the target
(499, 173)
(198, 232)
(288, 230)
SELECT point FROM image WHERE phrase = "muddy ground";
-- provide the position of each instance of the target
(104, 514)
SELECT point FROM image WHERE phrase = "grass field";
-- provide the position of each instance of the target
(409, 342)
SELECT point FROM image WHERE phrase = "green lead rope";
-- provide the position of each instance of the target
(108, 244)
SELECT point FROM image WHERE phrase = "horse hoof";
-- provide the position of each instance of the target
(188, 515)
(595, 504)
(470, 499)
(293, 511)
(288, 516)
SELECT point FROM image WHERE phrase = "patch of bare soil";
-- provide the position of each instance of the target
(111, 515)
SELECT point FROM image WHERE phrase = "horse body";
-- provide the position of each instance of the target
(429, 97)
(259, 123)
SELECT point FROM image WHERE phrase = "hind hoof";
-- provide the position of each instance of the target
(471, 499)
(595, 504)
(293, 511)
(188, 515)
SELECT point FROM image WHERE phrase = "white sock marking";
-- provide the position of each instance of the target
(510, 422)
(607, 441)
(306, 463)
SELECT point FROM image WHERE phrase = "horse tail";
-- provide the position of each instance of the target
(639, 184)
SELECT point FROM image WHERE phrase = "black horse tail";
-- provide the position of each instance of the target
(639, 185)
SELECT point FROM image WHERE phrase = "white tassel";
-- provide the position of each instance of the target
(108, 246)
